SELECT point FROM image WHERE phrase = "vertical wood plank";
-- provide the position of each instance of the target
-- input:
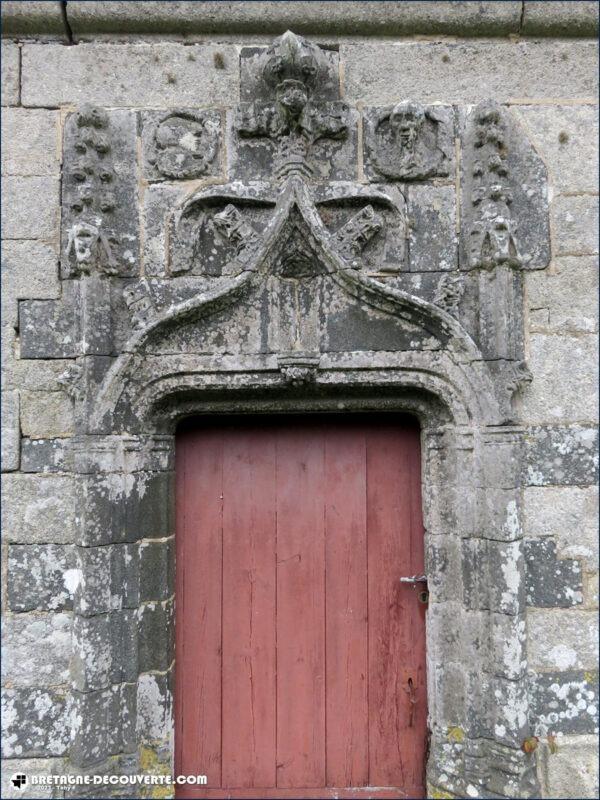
(417, 662)
(198, 603)
(249, 574)
(391, 607)
(300, 609)
(346, 607)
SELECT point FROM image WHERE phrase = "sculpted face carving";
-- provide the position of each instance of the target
(292, 96)
(91, 248)
(408, 141)
(406, 121)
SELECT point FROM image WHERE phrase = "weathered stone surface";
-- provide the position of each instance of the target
(508, 644)
(565, 702)
(384, 73)
(500, 518)
(103, 724)
(561, 455)
(60, 321)
(38, 509)
(46, 414)
(10, 74)
(567, 514)
(473, 19)
(104, 651)
(36, 649)
(432, 228)
(559, 19)
(550, 398)
(36, 376)
(41, 577)
(575, 225)
(159, 201)
(573, 770)
(123, 645)
(30, 767)
(29, 270)
(155, 636)
(562, 639)
(127, 508)
(35, 723)
(109, 578)
(491, 576)
(45, 455)
(30, 207)
(10, 431)
(157, 560)
(162, 75)
(181, 144)
(31, 143)
(154, 707)
(32, 17)
(564, 301)
(550, 582)
(566, 137)
(591, 590)
(350, 17)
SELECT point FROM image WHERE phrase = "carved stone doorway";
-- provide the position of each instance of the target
(322, 266)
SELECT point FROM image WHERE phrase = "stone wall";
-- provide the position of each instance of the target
(541, 64)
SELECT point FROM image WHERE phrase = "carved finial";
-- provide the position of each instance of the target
(295, 63)
(295, 80)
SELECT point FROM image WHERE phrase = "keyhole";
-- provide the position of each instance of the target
(412, 701)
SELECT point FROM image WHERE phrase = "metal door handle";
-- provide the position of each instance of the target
(414, 579)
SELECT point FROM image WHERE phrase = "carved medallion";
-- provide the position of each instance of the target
(181, 145)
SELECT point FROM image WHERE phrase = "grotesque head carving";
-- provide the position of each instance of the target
(406, 120)
(91, 248)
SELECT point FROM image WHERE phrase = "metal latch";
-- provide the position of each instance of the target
(423, 595)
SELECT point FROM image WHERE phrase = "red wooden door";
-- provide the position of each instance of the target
(300, 657)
